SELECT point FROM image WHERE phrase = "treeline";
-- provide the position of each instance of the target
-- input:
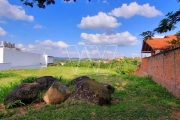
(121, 66)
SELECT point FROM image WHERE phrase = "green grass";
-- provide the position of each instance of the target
(140, 98)
(67, 72)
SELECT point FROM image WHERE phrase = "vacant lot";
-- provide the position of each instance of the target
(138, 98)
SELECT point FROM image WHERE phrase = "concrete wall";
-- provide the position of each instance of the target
(164, 69)
(27, 67)
(44, 59)
(5, 66)
(1, 55)
(19, 58)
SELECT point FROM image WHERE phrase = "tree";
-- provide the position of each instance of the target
(177, 40)
(166, 24)
(147, 35)
(41, 3)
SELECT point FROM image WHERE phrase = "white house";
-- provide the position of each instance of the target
(14, 58)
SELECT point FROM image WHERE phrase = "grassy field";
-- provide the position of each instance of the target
(140, 98)
(9, 76)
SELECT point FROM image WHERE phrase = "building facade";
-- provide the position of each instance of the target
(14, 58)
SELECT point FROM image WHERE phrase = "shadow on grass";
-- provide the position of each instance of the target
(142, 98)
(4, 75)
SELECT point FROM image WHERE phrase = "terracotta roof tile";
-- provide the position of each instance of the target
(160, 43)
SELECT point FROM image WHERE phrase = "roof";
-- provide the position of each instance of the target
(157, 43)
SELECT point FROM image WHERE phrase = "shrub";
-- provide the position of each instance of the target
(29, 79)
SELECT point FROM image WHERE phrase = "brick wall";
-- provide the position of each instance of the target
(143, 67)
(164, 69)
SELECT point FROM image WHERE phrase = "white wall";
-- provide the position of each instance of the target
(1, 55)
(21, 59)
(44, 60)
(13, 59)
(5, 66)
(27, 67)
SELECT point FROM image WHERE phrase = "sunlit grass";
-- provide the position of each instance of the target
(140, 98)
(66, 72)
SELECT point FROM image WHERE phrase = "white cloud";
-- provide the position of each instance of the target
(31, 46)
(2, 32)
(121, 39)
(37, 26)
(89, 52)
(13, 11)
(81, 43)
(69, 52)
(133, 8)
(104, 1)
(42, 45)
(100, 21)
(108, 52)
(21, 46)
(92, 52)
(98, 53)
(3, 22)
(50, 44)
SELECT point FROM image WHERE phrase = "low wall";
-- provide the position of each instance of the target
(5, 66)
(164, 69)
(19, 58)
(27, 67)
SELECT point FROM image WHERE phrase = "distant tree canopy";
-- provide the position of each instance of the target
(41, 3)
(165, 25)
(122, 66)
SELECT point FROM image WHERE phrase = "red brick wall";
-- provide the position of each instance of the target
(177, 72)
(143, 67)
(164, 69)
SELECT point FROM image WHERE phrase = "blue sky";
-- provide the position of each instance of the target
(100, 28)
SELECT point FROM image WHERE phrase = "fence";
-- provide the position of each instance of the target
(164, 68)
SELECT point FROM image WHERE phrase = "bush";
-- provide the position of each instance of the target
(29, 79)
